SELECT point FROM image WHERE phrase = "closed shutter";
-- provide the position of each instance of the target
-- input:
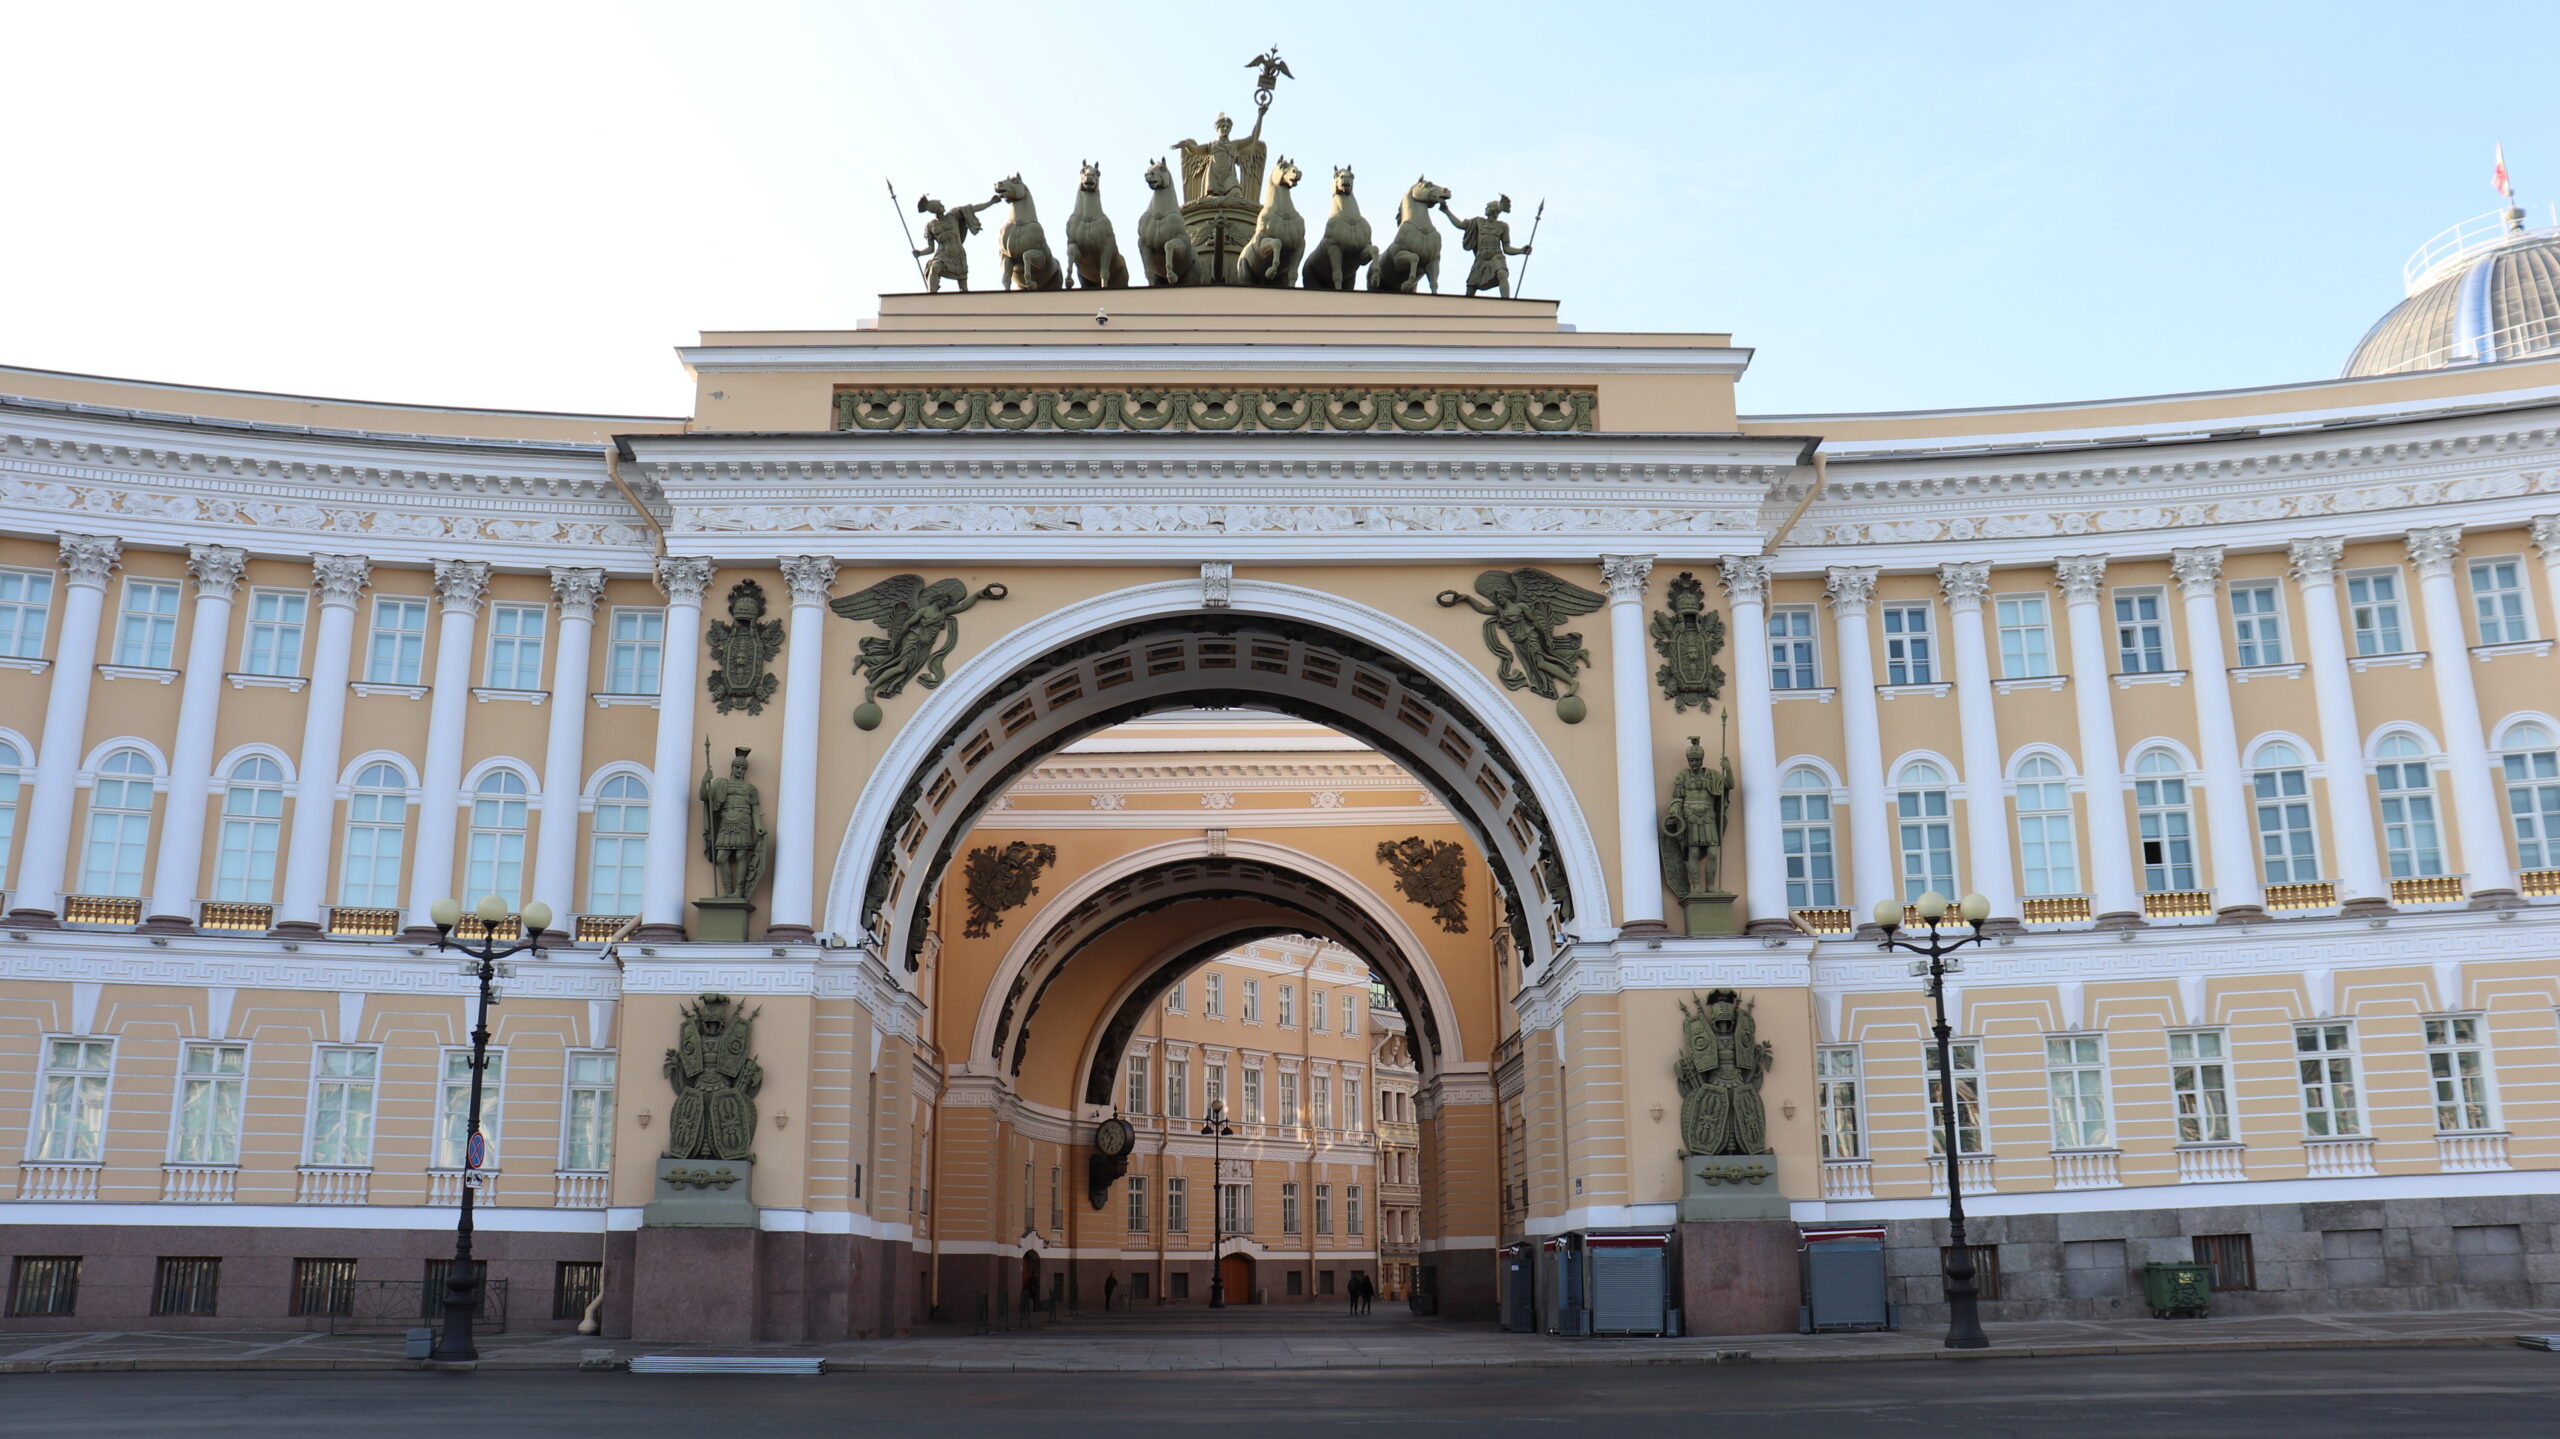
(1626, 1286)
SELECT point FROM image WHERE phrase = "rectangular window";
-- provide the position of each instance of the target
(1213, 996)
(1137, 1100)
(2142, 633)
(1178, 1285)
(1177, 1205)
(2200, 1082)
(2048, 844)
(1288, 1006)
(453, 1134)
(2373, 611)
(2325, 1061)
(1908, 659)
(1836, 1096)
(1252, 1110)
(1964, 1058)
(211, 1079)
(1350, 1102)
(342, 1106)
(2026, 636)
(1253, 1001)
(1289, 1207)
(26, 599)
(324, 1287)
(586, 1144)
(186, 1286)
(1315, 1011)
(515, 646)
(244, 868)
(44, 1286)
(1928, 843)
(1177, 1088)
(631, 661)
(1175, 1001)
(1805, 837)
(2285, 845)
(147, 627)
(1137, 1204)
(2458, 1064)
(2235, 1264)
(1320, 1101)
(575, 1283)
(2533, 805)
(396, 652)
(2411, 844)
(1235, 1208)
(2257, 625)
(1057, 1198)
(2075, 1077)
(1324, 1209)
(1352, 1223)
(1288, 1098)
(1350, 1012)
(273, 642)
(1213, 1080)
(2166, 827)
(1792, 661)
(72, 1123)
(2498, 602)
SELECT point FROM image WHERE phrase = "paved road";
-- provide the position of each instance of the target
(2372, 1394)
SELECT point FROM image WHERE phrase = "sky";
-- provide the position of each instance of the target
(1898, 206)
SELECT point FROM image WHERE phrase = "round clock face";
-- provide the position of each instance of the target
(1114, 1137)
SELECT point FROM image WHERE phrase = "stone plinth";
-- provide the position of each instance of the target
(1709, 914)
(697, 1285)
(701, 1194)
(1731, 1187)
(721, 921)
(1740, 1276)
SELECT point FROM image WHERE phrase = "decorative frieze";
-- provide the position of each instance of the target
(1202, 409)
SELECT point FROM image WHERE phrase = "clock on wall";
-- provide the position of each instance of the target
(1113, 1139)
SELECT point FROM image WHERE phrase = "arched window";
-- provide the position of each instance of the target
(2410, 843)
(495, 861)
(1804, 820)
(2532, 765)
(252, 822)
(2166, 824)
(10, 763)
(618, 841)
(2048, 849)
(377, 816)
(2286, 849)
(119, 826)
(1928, 833)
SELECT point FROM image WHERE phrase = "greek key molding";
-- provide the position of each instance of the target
(1546, 411)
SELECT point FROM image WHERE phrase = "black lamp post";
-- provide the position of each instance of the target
(1219, 1131)
(1936, 962)
(462, 1282)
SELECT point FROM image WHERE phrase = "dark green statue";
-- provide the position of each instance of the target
(1693, 826)
(1688, 636)
(1522, 611)
(735, 837)
(717, 1079)
(1722, 1063)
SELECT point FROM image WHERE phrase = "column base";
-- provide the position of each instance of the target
(34, 919)
(1868, 933)
(2497, 899)
(419, 934)
(2241, 914)
(1759, 927)
(661, 933)
(2123, 919)
(790, 934)
(2366, 907)
(1643, 929)
(166, 924)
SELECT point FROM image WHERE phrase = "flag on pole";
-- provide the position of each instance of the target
(2498, 175)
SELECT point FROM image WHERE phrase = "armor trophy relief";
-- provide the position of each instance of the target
(704, 1175)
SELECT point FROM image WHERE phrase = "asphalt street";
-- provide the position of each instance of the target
(2412, 1392)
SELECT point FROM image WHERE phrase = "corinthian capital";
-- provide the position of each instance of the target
(340, 578)
(2080, 577)
(577, 591)
(1964, 585)
(217, 569)
(463, 583)
(2315, 560)
(809, 577)
(2433, 551)
(2198, 571)
(1625, 577)
(1851, 587)
(684, 579)
(2546, 537)
(89, 559)
(1745, 578)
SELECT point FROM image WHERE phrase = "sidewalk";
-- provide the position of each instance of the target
(1247, 1339)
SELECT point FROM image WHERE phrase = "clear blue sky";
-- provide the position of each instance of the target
(1898, 205)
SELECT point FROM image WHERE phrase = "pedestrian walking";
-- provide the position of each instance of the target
(1361, 1291)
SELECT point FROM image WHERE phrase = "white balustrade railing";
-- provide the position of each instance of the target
(197, 1183)
(1848, 1179)
(57, 1182)
(332, 1184)
(2471, 1153)
(2086, 1169)
(444, 1186)
(1976, 1174)
(2338, 1158)
(581, 1190)
(2212, 1163)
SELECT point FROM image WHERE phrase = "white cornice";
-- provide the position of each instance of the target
(1513, 360)
(1383, 816)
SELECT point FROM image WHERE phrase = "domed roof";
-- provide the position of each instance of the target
(2485, 290)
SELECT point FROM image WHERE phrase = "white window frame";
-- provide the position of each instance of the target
(118, 880)
(1253, 1001)
(1141, 1217)
(26, 619)
(2500, 614)
(248, 843)
(1290, 1093)
(1351, 1102)
(1904, 662)
(2411, 829)
(2175, 875)
(1176, 1001)
(1177, 1204)
(1137, 1089)
(396, 654)
(1213, 996)
(1839, 1102)
(1289, 1207)
(2449, 1039)
(2301, 842)
(322, 1079)
(1251, 1094)
(1288, 1006)
(2075, 1084)
(635, 664)
(2529, 773)
(1324, 1210)
(2144, 646)
(1351, 1012)
(1910, 814)
(571, 1087)
(2199, 1081)
(229, 1091)
(1352, 1223)
(2320, 1119)
(1177, 1087)
(373, 825)
(453, 1107)
(1799, 828)
(274, 633)
(488, 859)
(511, 652)
(2372, 620)
(1320, 1101)
(2254, 631)
(2031, 656)
(156, 648)
(1316, 1010)
(1965, 1060)
(41, 1125)
(1795, 659)
(2038, 829)
(1213, 1085)
(622, 852)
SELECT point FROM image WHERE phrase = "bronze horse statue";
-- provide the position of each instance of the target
(1414, 253)
(1026, 262)
(1334, 263)
(1093, 251)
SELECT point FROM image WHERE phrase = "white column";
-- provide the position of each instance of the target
(2434, 553)
(2355, 861)
(684, 581)
(1764, 858)
(564, 755)
(177, 867)
(1851, 590)
(795, 806)
(463, 584)
(310, 849)
(2111, 876)
(1986, 805)
(44, 846)
(1639, 854)
(2546, 538)
(2229, 837)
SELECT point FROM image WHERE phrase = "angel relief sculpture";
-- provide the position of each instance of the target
(921, 624)
(1522, 610)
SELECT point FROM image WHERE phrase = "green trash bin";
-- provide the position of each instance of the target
(2178, 1289)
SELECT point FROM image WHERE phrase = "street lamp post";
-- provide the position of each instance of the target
(1219, 1131)
(1937, 961)
(462, 1282)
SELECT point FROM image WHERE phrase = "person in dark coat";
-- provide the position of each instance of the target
(1361, 1291)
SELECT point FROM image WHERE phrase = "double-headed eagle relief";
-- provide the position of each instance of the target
(716, 1078)
(1219, 213)
(741, 647)
(922, 626)
(1522, 610)
(1431, 873)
